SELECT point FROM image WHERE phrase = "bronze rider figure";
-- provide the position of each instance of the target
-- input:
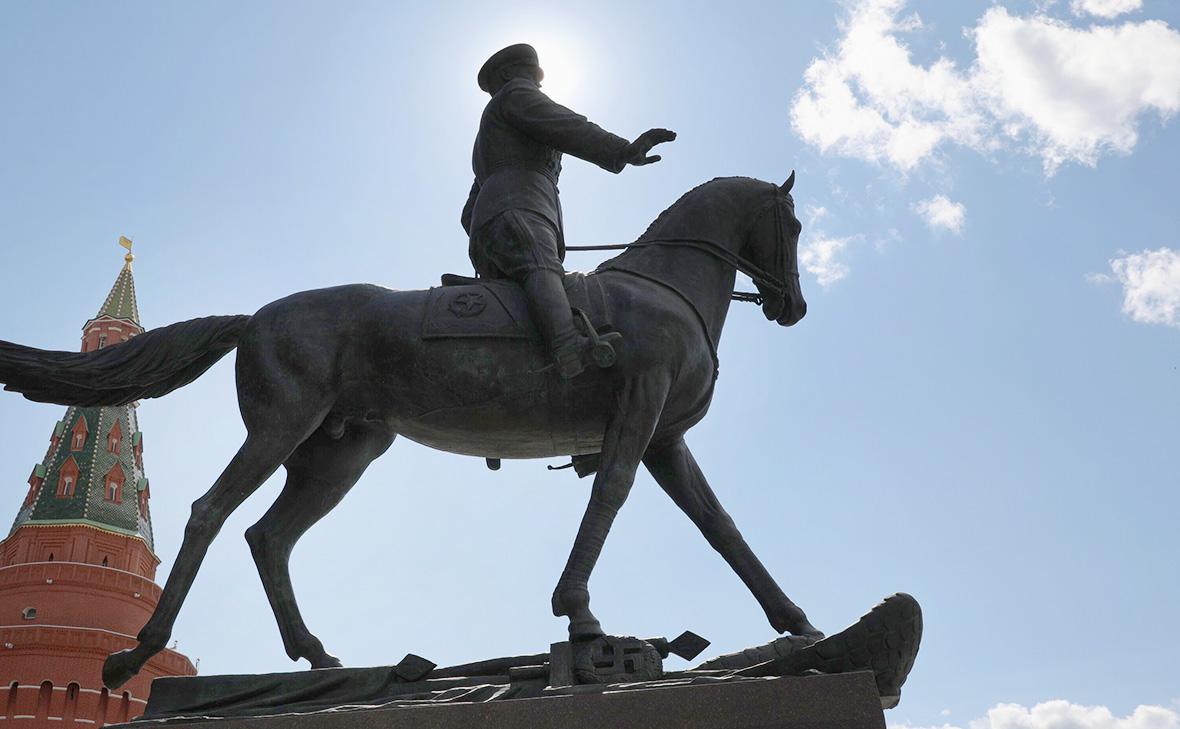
(513, 214)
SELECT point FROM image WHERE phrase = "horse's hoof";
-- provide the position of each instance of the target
(119, 668)
(789, 618)
(326, 660)
(586, 629)
(574, 603)
(570, 601)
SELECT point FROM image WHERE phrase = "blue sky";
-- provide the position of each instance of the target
(979, 409)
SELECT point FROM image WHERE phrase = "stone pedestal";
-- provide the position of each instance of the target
(846, 701)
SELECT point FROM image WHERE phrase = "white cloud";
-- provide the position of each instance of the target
(1151, 285)
(870, 101)
(940, 212)
(821, 255)
(1070, 94)
(1105, 8)
(1040, 85)
(1064, 715)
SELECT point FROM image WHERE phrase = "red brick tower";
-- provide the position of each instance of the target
(77, 569)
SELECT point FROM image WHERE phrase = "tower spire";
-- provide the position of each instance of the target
(120, 303)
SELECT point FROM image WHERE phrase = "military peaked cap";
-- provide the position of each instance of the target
(521, 53)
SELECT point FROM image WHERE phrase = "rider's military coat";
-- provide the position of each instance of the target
(517, 154)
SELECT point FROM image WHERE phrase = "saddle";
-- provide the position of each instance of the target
(465, 307)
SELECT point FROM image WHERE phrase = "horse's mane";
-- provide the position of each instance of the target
(683, 198)
(674, 207)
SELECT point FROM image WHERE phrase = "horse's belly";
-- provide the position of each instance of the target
(516, 443)
(508, 430)
(502, 400)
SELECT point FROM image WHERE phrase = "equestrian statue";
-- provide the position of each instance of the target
(493, 367)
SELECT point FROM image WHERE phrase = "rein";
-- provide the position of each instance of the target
(766, 280)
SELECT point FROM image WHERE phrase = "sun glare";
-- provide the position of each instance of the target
(571, 72)
(565, 80)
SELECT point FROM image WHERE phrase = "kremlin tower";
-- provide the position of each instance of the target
(77, 569)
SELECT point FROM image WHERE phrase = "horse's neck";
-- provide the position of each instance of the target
(702, 279)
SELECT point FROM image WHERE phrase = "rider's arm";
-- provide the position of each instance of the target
(536, 115)
(465, 218)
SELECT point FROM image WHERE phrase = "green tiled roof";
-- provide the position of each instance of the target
(120, 303)
(89, 503)
(95, 461)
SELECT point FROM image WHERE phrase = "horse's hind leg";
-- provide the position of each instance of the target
(319, 473)
(676, 471)
(254, 462)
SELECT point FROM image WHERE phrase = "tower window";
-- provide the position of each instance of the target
(66, 488)
(78, 436)
(43, 698)
(115, 479)
(115, 437)
(67, 479)
(29, 613)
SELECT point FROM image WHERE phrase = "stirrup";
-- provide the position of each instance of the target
(602, 349)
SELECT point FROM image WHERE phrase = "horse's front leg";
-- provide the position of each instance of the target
(640, 401)
(676, 471)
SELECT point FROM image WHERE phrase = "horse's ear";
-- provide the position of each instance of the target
(786, 186)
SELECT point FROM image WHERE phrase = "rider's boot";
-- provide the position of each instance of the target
(551, 311)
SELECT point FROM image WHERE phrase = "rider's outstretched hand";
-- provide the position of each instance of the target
(636, 153)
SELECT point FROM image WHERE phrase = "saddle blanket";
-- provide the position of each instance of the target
(497, 309)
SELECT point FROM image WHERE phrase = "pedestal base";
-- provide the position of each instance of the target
(845, 701)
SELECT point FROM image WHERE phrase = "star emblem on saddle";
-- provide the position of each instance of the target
(467, 305)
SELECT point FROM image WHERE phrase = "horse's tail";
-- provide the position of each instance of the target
(152, 364)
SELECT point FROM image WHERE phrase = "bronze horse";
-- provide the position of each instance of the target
(326, 407)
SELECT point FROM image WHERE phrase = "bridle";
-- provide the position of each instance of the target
(766, 281)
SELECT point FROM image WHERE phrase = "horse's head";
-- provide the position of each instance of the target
(772, 245)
